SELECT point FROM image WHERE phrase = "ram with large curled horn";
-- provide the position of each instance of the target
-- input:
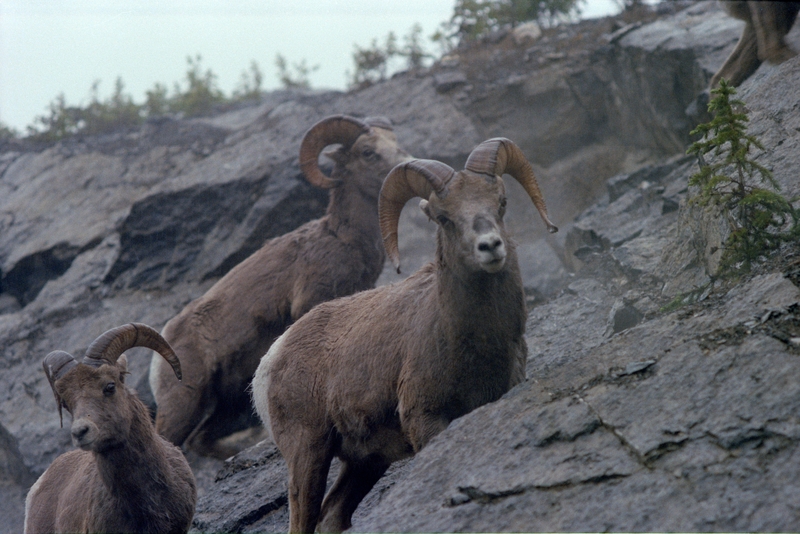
(222, 335)
(125, 477)
(391, 367)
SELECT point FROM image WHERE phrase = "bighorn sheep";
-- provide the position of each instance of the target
(125, 478)
(222, 335)
(766, 23)
(371, 378)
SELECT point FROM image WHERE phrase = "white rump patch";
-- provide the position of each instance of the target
(260, 385)
(156, 360)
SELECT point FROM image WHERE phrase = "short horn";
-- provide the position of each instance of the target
(339, 129)
(500, 155)
(109, 347)
(415, 178)
(57, 364)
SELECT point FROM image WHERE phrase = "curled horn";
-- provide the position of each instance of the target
(500, 155)
(380, 122)
(336, 129)
(415, 178)
(109, 347)
(57, 364)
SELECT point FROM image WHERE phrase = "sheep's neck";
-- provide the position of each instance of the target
(137, 472)
(353, 215)
(482, 307)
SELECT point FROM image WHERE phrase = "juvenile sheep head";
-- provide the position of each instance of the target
(94, 390)
(475, 219)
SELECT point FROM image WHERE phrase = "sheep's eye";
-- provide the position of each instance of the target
(442, 220)
(109, 389)
(368, 153)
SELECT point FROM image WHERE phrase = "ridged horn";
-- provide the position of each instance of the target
(340, 129)
(500, 155)
(109, 347)
(415, 178)
(380, 121)
(57, 364)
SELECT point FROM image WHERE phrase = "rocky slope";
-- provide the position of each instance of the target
(658, 414)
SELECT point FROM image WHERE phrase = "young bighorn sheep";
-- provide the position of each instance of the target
(125, 478)
(222, 335)
(371, 378)
(766, 24)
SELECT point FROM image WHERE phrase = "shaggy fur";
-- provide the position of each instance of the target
(371, 378)
(222, 335)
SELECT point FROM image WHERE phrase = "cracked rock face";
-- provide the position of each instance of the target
(674, 421)
(631, 418)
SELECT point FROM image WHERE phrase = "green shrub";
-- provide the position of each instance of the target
(7, 132)
(296, 80)
(201, 94)
(760, 218)
(372, 64)
(118, 111)
(62, 121)
(249, 83)
(474, 19)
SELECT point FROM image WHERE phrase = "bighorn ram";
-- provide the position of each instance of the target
(371, 378)
(125, 478)
(222, 335)
(766, 23)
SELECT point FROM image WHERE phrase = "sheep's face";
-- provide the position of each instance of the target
(97, 400)
(370, 159)
(470, 217)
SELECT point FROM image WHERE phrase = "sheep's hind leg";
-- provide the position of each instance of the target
(308, 461)
(354, 482)
(742, 62)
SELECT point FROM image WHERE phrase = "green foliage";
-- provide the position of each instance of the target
(760, 218)
(412, 50)
(473, 19)
(157, 103)
(118, 111)
(296, 80)
(61, 122)
(372, 63)
(249, 83)
(201, 94)
(7, 132)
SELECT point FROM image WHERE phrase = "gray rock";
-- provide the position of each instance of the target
(449, 80)
(130, 227)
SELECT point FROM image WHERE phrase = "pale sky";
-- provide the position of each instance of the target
(48, 47)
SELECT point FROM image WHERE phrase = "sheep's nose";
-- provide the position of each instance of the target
(489, 244)
(79, 430)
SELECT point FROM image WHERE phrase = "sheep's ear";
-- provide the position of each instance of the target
(425, 206)
(335, 153)
(57, 364)
(122, 365)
